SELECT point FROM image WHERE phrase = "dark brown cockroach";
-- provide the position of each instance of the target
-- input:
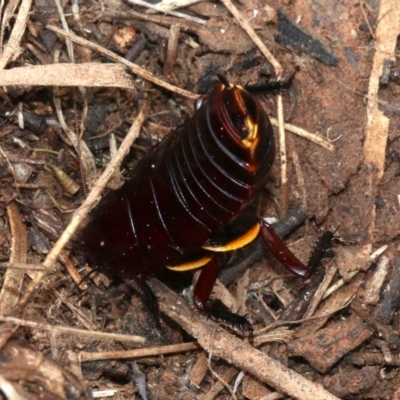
(186, 191)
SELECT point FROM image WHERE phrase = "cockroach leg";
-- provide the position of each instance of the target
(271, 87)
(205, 283)
(202, 291)
(281, 252)
(321, 250)
(222, 315)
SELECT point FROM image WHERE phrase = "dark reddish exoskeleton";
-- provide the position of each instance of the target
(189, 188)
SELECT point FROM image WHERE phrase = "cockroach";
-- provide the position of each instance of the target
(184, 197)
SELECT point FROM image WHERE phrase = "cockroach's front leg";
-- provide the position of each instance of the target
(205, 283)
(321, 250)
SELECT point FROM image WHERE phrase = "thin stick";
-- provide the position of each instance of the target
(218, 386)
(67, 74)
(254, 37)
(12, 48)
(151, 351)
(300, 181)
(133, 67)
(73, 331)
(64, 24)
(173, 40)
(167, 10)
(221, 379)
(11, 168)
(36, 267)
(283, 159)
(305, 134)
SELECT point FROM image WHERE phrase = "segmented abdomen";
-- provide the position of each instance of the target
(187, 188)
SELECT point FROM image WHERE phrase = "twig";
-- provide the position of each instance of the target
(305, 134)
(319, 294)
(168, 10)
(36, 267)
(12, 49)
(80, 146)
(219, 385)
(148, 352)
(84, 74)
(64, 24)
(72, 331)
(283, 159)
(133, 67)
(172, 48)
(222, 380)
(6, 16)
(254, 37)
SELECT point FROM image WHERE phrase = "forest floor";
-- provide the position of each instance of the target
(93, 84)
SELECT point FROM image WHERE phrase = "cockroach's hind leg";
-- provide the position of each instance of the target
(282, 253)
(220, 313)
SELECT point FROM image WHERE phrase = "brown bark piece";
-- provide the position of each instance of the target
(28, 373)
(223, 36)
(374, 284)
(353, 382)
(351, 208)
(374, 358)
(349, 260)
(327, 346)
(391, 296)
(358, 208)
(384, 331)
(199, 369)
(167, 384)
(253, 389)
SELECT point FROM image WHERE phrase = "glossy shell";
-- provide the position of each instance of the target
(186, 188)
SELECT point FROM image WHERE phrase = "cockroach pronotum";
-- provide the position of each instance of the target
(188, 190)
